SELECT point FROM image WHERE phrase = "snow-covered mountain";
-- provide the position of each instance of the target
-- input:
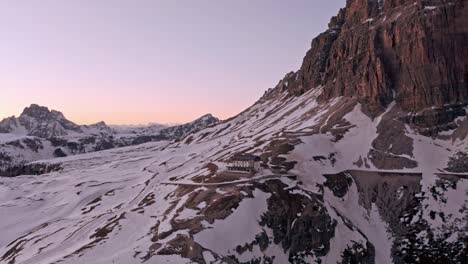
(41, 122)
(343, 179)
(39, 133)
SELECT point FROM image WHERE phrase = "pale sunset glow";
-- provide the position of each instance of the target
(127, 62)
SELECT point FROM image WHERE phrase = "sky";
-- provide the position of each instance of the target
(151, 61)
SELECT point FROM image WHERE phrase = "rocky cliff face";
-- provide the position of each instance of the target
(41, 122)
(411, 51)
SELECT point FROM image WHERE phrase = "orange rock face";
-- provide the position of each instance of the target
(412, 51)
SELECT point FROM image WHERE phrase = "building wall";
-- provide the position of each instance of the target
(254, 165)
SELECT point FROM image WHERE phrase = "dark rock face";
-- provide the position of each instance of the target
(388, 161)
(431, 248)
(358, 254)
(30, 169)
(58, 152)
(7, 124)
(458, 163)
(300, 223)
(413, 51)
(41, 112)
(400, 201)
(338, 183)
(178, 132)
(34, 144)
(433, 120)
(148, 138)
(41, 122)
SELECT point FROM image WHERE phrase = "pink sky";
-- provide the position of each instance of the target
(135, 62)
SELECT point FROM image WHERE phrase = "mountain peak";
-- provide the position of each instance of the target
(35, 110)
(37, 120)
(100, 124)
(204, 121)
(207, 116)
(41, 112)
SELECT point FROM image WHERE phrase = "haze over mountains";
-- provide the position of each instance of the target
(363, 160)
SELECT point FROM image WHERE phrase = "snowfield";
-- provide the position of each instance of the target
(330, 199)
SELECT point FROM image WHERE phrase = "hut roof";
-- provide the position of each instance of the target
(245, 157)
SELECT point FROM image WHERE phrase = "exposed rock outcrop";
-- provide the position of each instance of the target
(401, 203)
(410, 51)
(30, 169)
(41, 122)
(458, 163)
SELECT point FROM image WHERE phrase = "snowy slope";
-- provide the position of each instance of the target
(326, 192)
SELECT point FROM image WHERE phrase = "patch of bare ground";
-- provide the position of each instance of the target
(392, 142)
(46, 236)
(398, 198)
(362, 162)
(17, 245)
(385, 161)
(216, 206)
(431, 121)
(30, 169)
(148, 200)
(452, 177)
(390, 191)
(213, 170)
(334, 122)
(338, 183)
(271, 156)
(461, 132)
(91, 205)
(391, 136)
(100, 234)
(185, 247)
(10, 256)
(298, 219)
(458, 163)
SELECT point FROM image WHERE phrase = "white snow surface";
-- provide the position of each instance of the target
(58, 216)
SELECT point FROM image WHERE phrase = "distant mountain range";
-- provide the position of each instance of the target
(39, 133)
